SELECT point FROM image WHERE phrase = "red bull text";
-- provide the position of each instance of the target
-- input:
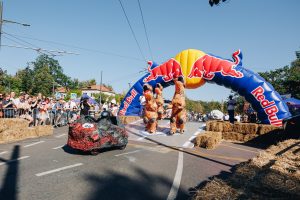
(269, 106)
(128, 101)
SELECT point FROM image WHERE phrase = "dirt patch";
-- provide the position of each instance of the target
(274, 174)
(12, 130)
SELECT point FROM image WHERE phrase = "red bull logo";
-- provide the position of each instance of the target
(168, 71)
(128, 101)
(207, 65)
(269, 107)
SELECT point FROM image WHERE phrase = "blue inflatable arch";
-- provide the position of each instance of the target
(256, 90)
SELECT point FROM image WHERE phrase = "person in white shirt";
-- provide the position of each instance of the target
(230, 108)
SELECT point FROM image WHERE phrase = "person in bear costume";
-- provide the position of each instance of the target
(178, 117)
(150, 112)
(159, 101)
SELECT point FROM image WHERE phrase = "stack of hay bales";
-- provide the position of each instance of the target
(208, 139)
(128, 119)
(14, 129)
(274, 174)
(240, 131)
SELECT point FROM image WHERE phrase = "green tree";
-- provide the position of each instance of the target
(285, 80)
(55, 69)
(25, 78)
(43, 81)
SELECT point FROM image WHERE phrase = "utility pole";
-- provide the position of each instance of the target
(100, 99)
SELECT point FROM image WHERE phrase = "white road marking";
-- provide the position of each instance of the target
(21, 158)
(58, 136)
(58, 169)
(131, 158)
(130, 152)
(177, 179)
(29, 145)
(141, 138)
(3, 152)
(59, 147)
(188, 144)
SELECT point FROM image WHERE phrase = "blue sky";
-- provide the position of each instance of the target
(267, 32)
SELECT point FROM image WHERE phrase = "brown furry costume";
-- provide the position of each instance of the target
(159, 101)
(150, 115)
(178, 117)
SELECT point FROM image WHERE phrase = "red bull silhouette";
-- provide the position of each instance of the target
(207, 65)
(168, 70)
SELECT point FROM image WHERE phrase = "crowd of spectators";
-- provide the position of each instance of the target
(41, 110)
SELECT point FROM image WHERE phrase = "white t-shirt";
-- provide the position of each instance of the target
(231, 104)
(142, 100)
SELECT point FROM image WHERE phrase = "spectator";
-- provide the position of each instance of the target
(24, 109)
(1, 105)
(43, 112)
(34, 109)
(230, 108)
(84, 107)
(73, 115)
(8, 107)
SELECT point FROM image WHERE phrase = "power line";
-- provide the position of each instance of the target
(145, 29)
(132, 31)
(36, 47)
(81, 48)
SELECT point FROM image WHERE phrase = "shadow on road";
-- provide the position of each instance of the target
(10, 183)
(141, 185)
(180, 149)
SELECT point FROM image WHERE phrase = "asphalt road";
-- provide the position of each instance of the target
(151, 167)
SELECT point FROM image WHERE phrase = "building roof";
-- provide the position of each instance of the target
(98, 87)
(61, 90)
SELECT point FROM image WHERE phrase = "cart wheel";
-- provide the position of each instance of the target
(94, 152)
(122, 147)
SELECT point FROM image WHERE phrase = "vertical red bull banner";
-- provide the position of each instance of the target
(197, 68)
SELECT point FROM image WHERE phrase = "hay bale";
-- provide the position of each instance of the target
(273, 174)
(15, 129)
(227, 127)
(217, 189)
(233, 136)
(215, 126)
(208, 139)
(245, 128)
(128, 119)
(266, 128)
(43, 130)
(13, 123)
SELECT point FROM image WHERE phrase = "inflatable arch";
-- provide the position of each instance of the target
(197, 68)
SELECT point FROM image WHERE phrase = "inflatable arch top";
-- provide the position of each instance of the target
(197, 68)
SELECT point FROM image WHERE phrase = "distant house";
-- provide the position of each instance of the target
(62, 91)
(96, 89)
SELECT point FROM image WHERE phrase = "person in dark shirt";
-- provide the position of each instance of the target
(8, 106)
(84, 107)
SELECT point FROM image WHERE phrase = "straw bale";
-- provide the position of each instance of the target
(233, 136)
(208, 139)
(273, 174)
(227, 127)
(44, 130)
(266, 128)
(14, 123)
(128, 119)
(245, 128)
(221, 190)
(215, 126)
(12, 130)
